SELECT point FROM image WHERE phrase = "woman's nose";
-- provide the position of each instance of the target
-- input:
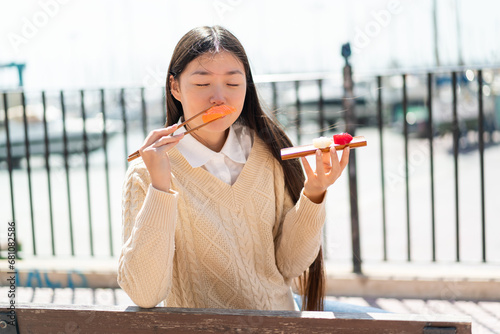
(218, 96)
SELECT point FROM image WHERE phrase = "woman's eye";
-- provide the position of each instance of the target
(208, 84)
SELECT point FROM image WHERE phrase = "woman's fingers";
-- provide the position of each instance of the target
(162, 145)
(157, 134)
(334, 158)
(345, 157)
(162, 150)
(328, 169)
(320, 167)
(307, 168)
(327, 162)
(338, 165)
(159, 137)
(327, 165)
(167, 139)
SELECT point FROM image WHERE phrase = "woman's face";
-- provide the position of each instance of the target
(207, 81)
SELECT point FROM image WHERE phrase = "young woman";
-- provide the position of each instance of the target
(215, 219)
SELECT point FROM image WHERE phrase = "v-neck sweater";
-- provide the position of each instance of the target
(208, 244)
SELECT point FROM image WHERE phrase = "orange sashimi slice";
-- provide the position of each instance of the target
(217, 112)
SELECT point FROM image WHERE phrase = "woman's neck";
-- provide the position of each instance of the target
(214, 141)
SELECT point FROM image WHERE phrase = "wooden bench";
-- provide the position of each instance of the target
(50, 318)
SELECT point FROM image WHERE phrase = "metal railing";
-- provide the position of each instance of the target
(308, 105)
(457, 133)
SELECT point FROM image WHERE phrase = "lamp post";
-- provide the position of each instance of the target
(350, 127)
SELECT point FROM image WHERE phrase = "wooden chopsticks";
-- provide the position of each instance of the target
(136, 154)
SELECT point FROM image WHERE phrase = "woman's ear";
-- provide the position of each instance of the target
(174, 87)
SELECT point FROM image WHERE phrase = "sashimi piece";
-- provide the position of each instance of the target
(342, 138)
(217, 112)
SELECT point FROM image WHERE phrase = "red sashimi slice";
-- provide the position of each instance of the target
(342, 138)
(217, 112)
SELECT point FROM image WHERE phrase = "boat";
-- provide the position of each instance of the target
(74, 133)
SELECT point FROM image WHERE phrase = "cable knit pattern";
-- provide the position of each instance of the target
(208, 244)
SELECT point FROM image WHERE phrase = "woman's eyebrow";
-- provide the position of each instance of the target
(234, 72)
(205, 72)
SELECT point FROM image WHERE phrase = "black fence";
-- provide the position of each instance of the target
(63, 157)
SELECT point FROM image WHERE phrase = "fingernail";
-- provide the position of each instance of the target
(318, 153)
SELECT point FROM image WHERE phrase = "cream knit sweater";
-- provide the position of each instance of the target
(209, 244)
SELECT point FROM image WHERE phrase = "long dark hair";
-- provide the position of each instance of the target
(215, 39)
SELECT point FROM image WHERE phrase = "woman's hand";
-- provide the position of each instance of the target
(328, 170)
(154, 153)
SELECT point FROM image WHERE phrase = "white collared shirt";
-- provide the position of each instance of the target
(227, 164)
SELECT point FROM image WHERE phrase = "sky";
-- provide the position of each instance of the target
(115, 43)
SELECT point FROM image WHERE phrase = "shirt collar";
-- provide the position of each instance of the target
(233, 148)
(197, 154)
